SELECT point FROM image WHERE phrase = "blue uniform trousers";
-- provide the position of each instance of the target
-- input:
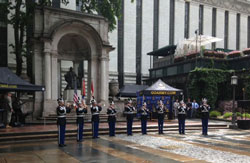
(204, 126)
(144, 126)
(61, 134)
(181, 126)
(129, 126)
(95, 129)
(160, 125)
(111, 128)
(80, 131)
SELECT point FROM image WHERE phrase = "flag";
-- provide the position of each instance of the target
(75, 97)
(92, 89)
(83, 89)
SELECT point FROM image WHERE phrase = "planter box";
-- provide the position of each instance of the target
(246, 51)
(243, 124)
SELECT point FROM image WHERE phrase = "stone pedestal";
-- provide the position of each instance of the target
(69, 94)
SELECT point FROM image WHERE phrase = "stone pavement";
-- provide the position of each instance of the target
(219, 146)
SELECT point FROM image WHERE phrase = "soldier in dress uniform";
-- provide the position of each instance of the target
(204, 108)
(182, 110)
(61, 120)
(95, 111)
(81, 109)
(161, 109)
(129, 111)
(111, 118)
(144, 115)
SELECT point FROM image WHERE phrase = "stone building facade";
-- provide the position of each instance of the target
(145, 25)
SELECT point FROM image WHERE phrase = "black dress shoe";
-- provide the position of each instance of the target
(61, 145)
(64, 145)
(79, 140)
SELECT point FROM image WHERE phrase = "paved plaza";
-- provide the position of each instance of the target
(221, 145)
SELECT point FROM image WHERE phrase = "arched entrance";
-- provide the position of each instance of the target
(82, 44)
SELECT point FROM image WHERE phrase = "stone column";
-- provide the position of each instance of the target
(47, 73)
(104, 79)
(54, 76)
(93, 76)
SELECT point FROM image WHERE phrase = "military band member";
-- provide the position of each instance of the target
(182, 111)
(95, 111)
(81, 109)
(204, 108)
(129, 111)
(161, 109)
(111, 118)
(144, 115)
(61, 120)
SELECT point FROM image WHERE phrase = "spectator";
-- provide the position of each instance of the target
(195, 106)
(176, 105)
(189, 108)
(9, 108)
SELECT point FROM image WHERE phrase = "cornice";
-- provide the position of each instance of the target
(240, 6)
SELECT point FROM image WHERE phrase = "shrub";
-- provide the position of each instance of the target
(246, 115)
(238, 114)
(214, 114)
(227, 115)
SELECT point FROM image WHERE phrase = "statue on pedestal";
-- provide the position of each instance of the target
(71, 79)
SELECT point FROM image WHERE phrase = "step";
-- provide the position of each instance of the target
(87, 133)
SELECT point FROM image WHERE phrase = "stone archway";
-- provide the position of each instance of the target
(84, 38)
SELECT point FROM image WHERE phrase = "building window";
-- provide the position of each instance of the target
(187, 15)
(214, 19)
(156, 25)
(56, 3)
(248, 32)
(238, 32)
(201, 16)
(3, 39)
(138, 40)
(226, 30)
(78, 5)
(120, 47)
(172, 20)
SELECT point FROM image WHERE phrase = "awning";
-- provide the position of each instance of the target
(160, 88)
(165, 51)
(131, 89)
(11, 82)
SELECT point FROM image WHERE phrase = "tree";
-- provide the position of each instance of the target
(21, 15)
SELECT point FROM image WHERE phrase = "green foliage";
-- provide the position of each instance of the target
(227, 115)
(246, 115)
(203, 83)
(214, 114)
(238, 114)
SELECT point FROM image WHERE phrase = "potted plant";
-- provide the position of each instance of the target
(234, 54)
(208, 53)
(219, 54)
(244, 122)
(179, 59)
(192, 55)
(246, 51)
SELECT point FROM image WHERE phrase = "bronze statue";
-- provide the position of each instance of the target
(71, 79)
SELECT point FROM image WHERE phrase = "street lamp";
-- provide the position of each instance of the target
(196, 45)
(234, 82)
